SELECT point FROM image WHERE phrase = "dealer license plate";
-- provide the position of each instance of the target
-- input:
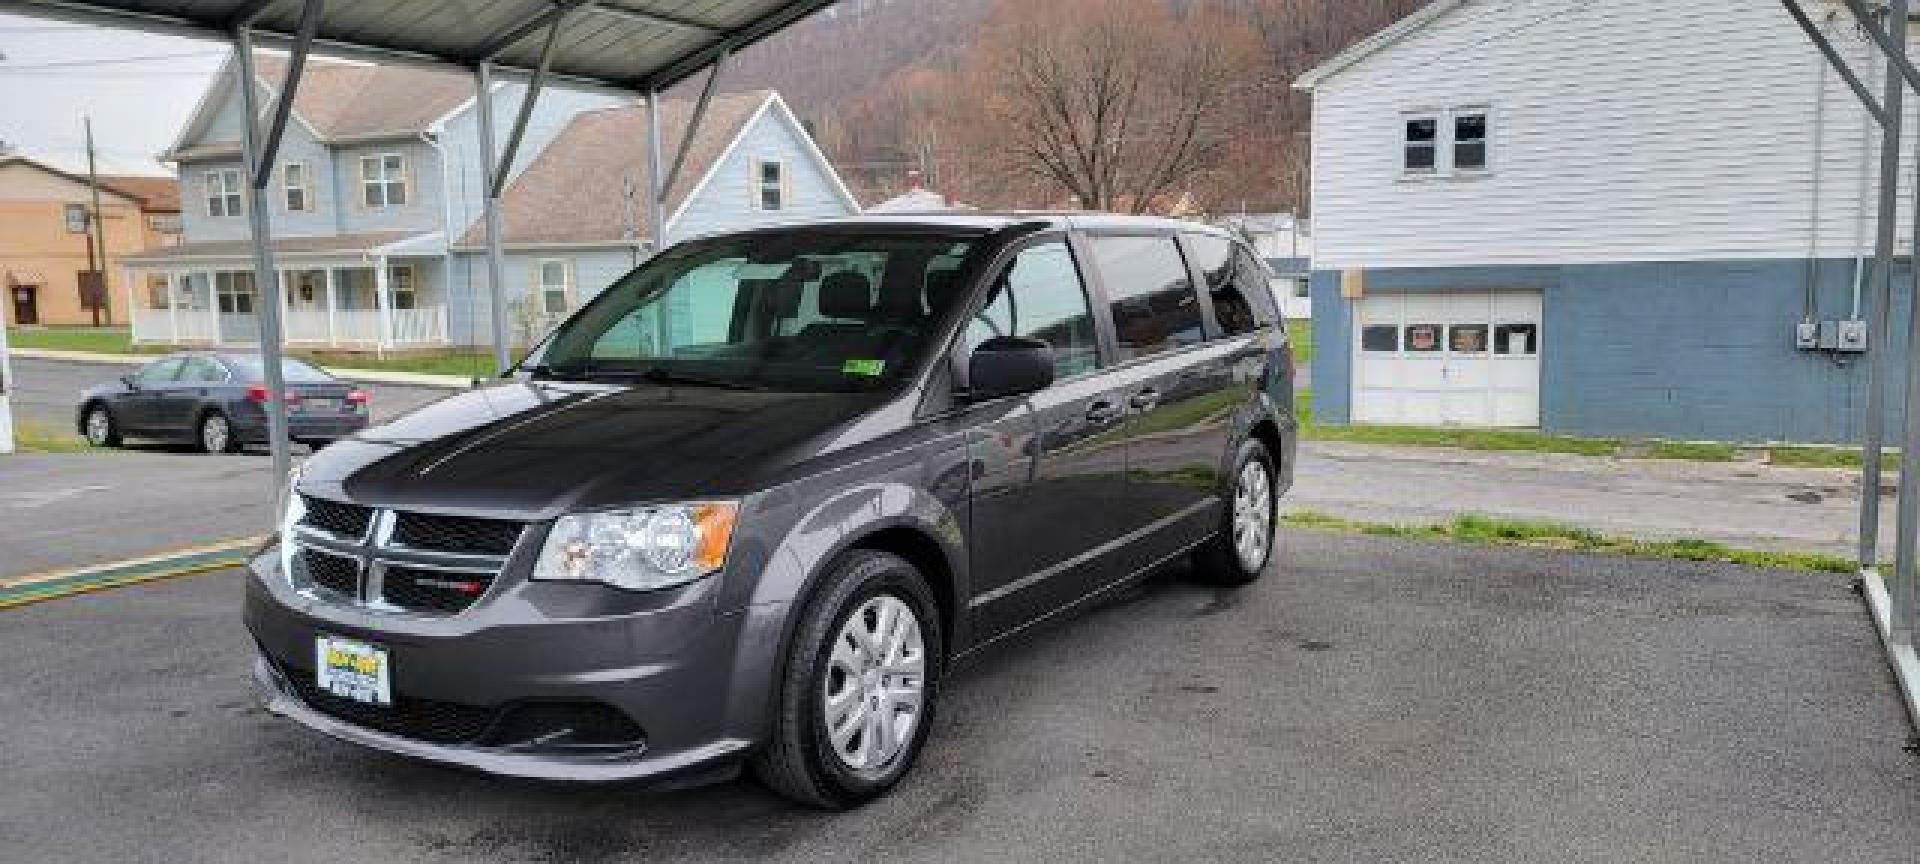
(351, 669)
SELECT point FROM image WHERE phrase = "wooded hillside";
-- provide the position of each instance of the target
(1111, 104)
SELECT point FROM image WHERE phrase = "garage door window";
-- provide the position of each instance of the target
(1423, 338)
(1516, 340)
(1380, 337)
(1467, 339)
(1152, 299)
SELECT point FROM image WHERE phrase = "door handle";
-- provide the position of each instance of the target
(1102, 412)
(1145, 399)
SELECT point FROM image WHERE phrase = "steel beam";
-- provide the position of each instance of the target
(1892, 46)
(1880, 310)
(503, 41)
(699, 58)
(496, 257)
(534, 84)
(1839, 63)
(656, 188)
(693, 123)
(296, 65)
(266, 282)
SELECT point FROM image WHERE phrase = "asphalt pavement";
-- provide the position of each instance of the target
(1372, 700)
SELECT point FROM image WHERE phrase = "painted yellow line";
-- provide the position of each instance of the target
(132, 579)
(153, 558)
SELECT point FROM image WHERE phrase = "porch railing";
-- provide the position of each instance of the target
(349, 328)
(181, 325)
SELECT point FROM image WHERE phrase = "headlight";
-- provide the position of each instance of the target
(639, 550)
(292, 509)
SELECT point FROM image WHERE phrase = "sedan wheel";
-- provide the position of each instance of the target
(216, 435)
(99, 427)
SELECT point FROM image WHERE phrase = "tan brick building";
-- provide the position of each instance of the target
(43, 239)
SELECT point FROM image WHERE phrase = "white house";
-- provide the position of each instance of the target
(1594, 218)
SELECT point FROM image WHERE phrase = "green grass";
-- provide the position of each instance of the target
(1488, 530)
(31, 437)
(463, 364)
(99, 340)
(1300, 333)
(1696, 451)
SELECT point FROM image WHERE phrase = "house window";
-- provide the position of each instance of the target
(556, 292)
(770, 185)
(223, 192)
(163, 223)
(1470, 139)
(234, 290)
(383, 180)
(293, 178)
(1421, 147)
(76, 218)
(401, 287)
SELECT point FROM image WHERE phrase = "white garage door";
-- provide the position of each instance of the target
(1447, 359)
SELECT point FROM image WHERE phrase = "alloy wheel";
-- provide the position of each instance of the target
(875, 685)
(214, 433)
(1252, 515)
(99, 427)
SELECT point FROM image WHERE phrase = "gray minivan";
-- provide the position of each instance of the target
(750, 504)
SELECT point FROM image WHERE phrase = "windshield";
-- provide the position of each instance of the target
(794, 312)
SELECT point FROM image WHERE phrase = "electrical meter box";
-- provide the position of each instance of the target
(1852, 337)
(1829, 335)
(1806, 335)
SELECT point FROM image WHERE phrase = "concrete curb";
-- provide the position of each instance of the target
(377, 376)
(39, 587)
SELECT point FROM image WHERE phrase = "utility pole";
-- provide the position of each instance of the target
(96, 239)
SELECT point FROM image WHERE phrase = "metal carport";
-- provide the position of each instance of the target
(626, 45)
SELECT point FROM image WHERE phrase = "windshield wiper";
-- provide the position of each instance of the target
(543, 372)
(663, 376)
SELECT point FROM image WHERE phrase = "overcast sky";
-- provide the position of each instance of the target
(139, 88)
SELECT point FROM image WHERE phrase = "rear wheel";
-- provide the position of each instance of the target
(1239, 552)
(99, 427)
(216, 434)
(857, 698)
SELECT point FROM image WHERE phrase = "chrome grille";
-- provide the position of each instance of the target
(415, 563)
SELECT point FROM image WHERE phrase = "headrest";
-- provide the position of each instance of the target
(846, 294)
(943, 289)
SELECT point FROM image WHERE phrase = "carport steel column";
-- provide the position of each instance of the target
(496, 257)
(1880, 307)
(259, 157)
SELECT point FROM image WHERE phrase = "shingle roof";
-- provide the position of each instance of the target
(576, 190)
(356, 100)
(156, 194)
(345, 101)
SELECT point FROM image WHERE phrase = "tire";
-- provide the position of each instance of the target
(1252, 509)
(806, 759)
(204, 434)
(98, 427)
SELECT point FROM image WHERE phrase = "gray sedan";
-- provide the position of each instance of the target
(218, 402)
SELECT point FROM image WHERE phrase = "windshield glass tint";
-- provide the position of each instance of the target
(799, 312)
(291, 369)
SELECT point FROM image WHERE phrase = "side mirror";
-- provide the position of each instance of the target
(1009, 366)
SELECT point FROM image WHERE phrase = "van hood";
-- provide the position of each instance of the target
(535, 450)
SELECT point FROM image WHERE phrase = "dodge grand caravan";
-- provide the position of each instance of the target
(749, 505)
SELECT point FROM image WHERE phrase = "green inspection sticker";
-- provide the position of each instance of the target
(864, 368)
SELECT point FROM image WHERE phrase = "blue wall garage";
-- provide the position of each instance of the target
(1696, 350)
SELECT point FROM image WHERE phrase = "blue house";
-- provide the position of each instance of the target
(1539, 214)
(378, 192)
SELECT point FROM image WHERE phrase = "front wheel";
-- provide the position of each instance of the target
(861, 676)
(216, 434)
(1238, 554)
(100, 428)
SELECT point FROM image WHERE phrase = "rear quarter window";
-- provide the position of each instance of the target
(1149, 293)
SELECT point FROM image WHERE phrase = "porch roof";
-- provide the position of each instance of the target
(291, 249)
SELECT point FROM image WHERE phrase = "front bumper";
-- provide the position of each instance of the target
(664, 661)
